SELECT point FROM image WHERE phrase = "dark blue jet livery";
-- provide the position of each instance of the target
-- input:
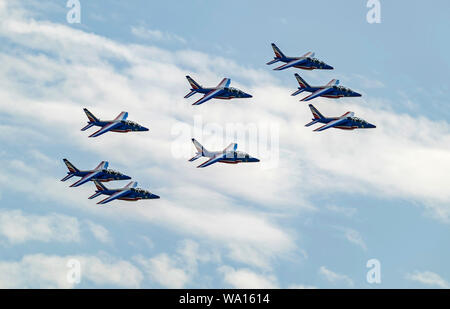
(222, 91)
(127, 193)
(330, 90)
(119, 124)
(100, 173)
(305, 62)
(346, 122)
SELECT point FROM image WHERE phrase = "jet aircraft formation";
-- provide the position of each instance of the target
(101, 173)
(230, 155)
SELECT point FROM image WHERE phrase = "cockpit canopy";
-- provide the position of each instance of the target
(113, 172)
(356, 119)
(234, 90)
(141, 191)
(343, 89)
(131, 123)
(315, 60)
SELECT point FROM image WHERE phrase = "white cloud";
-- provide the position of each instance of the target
(346, 211)
(178, 270)
(355, 237)
(18, 227)
(246, 279)
(155, 35)
(163, 270)
(50, 271)
(335, 278)
(99, 232)
(73, 69)
(429, 278)
(302, 287)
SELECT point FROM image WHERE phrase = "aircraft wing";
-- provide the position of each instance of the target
(105, 129)
(317, 93)
(333, 82)
(212, 160)
(132, 184)
(114, 196)
(331, 124)
(122, 116)
(231, 147)
(85, 179)
(208, 96)
(290, 64)
(225, 83)
(102, 166)
(309, 54)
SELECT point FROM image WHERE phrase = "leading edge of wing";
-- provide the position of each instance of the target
(85, 179)
(208, 96)
(331, 124)
(105, 129)
(224, 83)
(290, 64)
(212, 160)
(316, 94)
(114, 197)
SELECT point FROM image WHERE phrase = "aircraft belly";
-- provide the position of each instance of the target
(229, 161)
(346, 127)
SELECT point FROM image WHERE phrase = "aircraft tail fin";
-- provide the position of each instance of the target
(200, 149)
(70, 166)
(312, 122)
(99, 186)
(193, 83)
(90, 116)
(277, 51)
(315, 112)
(302, 83)
(198, 155)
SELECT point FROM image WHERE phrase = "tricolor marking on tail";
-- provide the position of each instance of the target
(70, 166)
(277, 51)
(315, 112)
(90, 116)
(194, 84)
(302, 83)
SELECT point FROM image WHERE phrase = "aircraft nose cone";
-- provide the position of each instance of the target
(144, 129)
(357, 94)
(126, 177)
(255, 160)
(248, 95)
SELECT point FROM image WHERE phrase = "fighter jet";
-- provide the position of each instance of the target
(345, 122)
(222, 91)
(330, 90)
(228, 155)
(127, 193)
(119, 124)
(305, 62)
(100, 173)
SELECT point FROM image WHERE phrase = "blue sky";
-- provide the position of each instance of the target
(333, 202)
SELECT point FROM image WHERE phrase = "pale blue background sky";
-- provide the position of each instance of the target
(407, 55)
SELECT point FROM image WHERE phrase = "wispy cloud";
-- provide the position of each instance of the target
(247, 279)
(428, 278)
(155, 35)
(51, 271)
(18, 227)
(333, 277)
